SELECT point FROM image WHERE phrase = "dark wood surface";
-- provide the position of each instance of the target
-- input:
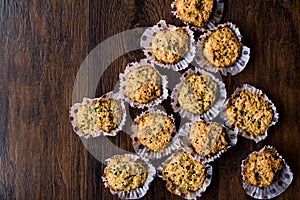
(44, 43)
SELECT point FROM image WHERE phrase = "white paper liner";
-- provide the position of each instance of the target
(232, 70)
(273, 190)
(215, 16)
(185, 141)
(146, 43)
(211, 113)
(135, 65)
(192, 195)
(74, 110)
(241, 132)
(145, 151)
(140, 191)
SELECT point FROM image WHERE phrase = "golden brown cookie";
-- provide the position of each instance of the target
(263, 168)
(250, 112)
(125, 175)
(155, 131)
(207, 139)
(184, 173)
(103, 114)
(143, 84)
(197, 93)
(194, 12)
(170, 46)
(222, 48)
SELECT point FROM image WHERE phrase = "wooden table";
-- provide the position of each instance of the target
(44, 43)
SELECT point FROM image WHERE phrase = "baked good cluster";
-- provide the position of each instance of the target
(200, 96)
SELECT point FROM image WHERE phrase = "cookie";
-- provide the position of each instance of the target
(143, 84)
(155, 131)
(170, 46)
(184, 173)
(222, 48)
(250, 112)
(207, 139)
(194, 12)
(197, 93)
(123, 174)
(101, 114)
(263, 168)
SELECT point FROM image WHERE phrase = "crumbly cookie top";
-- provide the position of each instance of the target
(194, 12)
(207, 139)
(170, 46)
(250, 112)
(155, 131)
(184, 173)
(263, 168)
(197, 93)
(143, 84)
(125, 175)
(103, 114)
(222, 48)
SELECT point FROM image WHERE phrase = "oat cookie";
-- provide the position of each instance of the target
(250, 112)
(155, 131)
(170, 46)
(102, 114)
(125, 175)
(222, 48)
(197, 93)
(143, 84)
(184, 173)
(263, 168)
(207, 139)
(194, 12)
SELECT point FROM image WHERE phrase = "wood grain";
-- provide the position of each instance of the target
(44, 43)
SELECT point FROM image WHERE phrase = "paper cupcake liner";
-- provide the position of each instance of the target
(185, 141)
(241, 132)
(273, 190)
(192, 195)
(215, 17)
(74, 110)
(145, 151)
(135, 65)
(211, 113)
(146, 43)
(237, 67)
(140, 191)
